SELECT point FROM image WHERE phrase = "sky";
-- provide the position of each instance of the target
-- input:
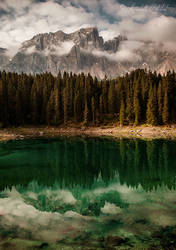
(140, 20)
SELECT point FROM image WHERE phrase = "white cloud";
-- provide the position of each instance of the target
(121, 11)
(61, 49)
(126, 52)
(18, 5)
(24, 22)
(24, 19)
(30, 50)
(109, 34)
(159, 29)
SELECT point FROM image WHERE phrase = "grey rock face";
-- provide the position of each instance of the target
(84, 51)
(4, 59)
(113, 45)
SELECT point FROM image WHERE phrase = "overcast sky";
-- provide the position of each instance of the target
(20, 20)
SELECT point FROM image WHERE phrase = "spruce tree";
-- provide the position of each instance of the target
(137, 111)
(152, 107)
(130, 105)
(101, 109)
(86, 114)
(65, 105)
(93, 110)
(165, 114)
(160, 102)
(77, 108)
(111, 98)
(57, 111)
(122, 112)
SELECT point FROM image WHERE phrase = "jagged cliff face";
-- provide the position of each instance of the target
(84, 51)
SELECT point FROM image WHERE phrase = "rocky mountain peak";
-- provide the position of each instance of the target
(85, 51)
(85, 38)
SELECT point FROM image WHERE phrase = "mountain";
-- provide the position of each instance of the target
(4, 59)
(86, 51)
(166, 65)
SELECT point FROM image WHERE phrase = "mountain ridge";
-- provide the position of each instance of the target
(86, 51)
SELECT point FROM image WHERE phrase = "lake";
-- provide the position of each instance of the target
(88, 193)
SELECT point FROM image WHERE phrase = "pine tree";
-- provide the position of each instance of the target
(137, 97)
(160, 102)
(34, 104)
(122, 112)
(50, 109)
(101, 108)
(130, 105)
(165, 114)
(77, 108)
(65, 105)
(93, 110)
(111, 98)
(57, 105)
(86, 114)
(18, 109)
(105, 96)
(152, 107)
(137, 111)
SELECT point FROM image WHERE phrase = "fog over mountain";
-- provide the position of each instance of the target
(101, 37)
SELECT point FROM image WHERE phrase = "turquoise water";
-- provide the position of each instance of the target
(102, 191)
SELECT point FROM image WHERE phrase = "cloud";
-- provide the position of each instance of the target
(126, 52)
(8, 5)
(121, 11)
(30, 50)
(61, 49)
(109, 34)
(21, 20)
(159, 29)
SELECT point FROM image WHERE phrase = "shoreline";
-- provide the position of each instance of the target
(128, 132)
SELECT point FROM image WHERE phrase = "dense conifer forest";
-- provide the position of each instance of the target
(139, 97)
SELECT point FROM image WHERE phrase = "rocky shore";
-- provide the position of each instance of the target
(143, 132)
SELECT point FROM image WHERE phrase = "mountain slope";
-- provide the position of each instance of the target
(86, 51)
(4, 59)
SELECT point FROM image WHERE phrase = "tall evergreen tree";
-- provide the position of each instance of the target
(137, 111)
(160, 102)
(86, 114)
(65, 105)
(122, 112)
(152, 107)
(165, 114)
(138, 97)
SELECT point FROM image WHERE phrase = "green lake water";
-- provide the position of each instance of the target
(88, 193)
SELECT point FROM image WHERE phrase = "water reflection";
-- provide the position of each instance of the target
(68, 191)
(71, 162)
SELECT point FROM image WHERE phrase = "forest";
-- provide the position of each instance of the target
(139, 97)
